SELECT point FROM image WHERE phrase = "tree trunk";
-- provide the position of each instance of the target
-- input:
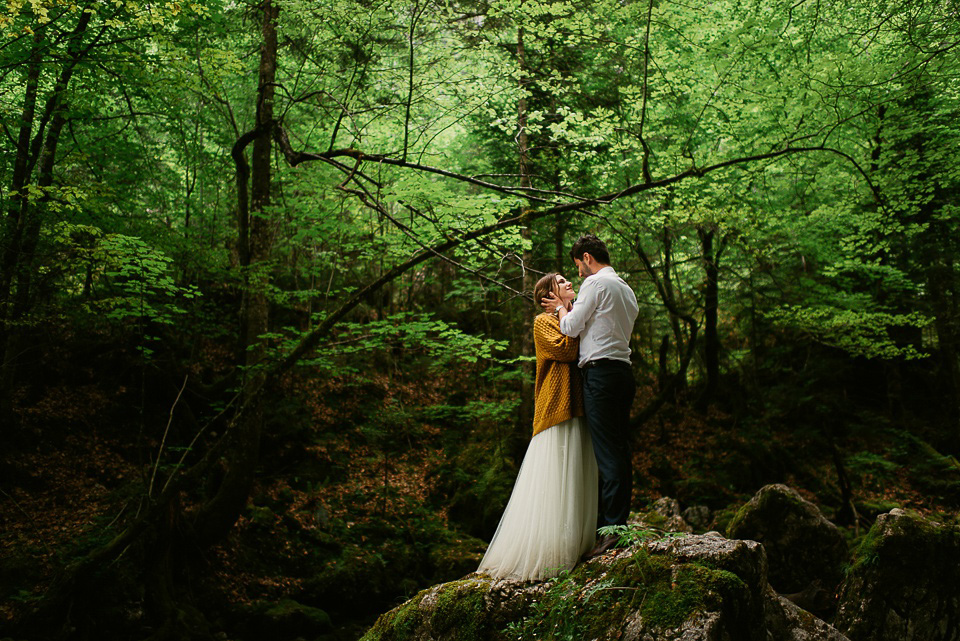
(11, 232)
(256, 232)
(663, 370)
(847, 514)
(24, 219)
(711, 341)
(669, 298)
(940, 275)
(526, 342)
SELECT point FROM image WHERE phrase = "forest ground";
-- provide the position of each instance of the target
(369, 491)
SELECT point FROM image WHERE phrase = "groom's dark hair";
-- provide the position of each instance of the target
(590, 244)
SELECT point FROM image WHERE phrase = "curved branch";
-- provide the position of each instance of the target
(311, 340)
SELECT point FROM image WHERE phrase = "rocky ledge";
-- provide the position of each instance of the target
(900, 585)
(690, 587)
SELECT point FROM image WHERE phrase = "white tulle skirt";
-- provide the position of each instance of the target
(551, 518)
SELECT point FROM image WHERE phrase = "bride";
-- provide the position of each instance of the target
(551, 518)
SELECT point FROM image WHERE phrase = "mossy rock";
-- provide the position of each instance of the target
(663, 514)
(802, 546)
(904, 583)
(723, 517)
(678, 588)
(450, 612)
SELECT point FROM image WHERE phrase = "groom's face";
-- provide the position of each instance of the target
(583, 270)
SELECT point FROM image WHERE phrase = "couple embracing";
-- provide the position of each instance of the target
(576, 475)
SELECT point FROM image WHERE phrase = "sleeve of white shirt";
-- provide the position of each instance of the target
(573, 323)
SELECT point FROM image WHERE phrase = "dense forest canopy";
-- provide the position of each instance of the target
(236, 232)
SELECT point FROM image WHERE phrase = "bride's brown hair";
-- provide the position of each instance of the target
(545, 286)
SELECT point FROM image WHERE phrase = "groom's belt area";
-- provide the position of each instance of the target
(605, 362)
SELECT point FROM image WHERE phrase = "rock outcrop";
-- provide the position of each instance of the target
(691, 587)
(802, 546)
(663, 514)
(698, 516)
(787, 621)
(904, 584)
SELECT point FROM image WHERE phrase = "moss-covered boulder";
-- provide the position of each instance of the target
(455, 611)
(663, 514)
(694, 587)
(904, 584)
(802, 546)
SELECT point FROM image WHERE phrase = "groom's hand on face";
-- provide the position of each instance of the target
(550, 303)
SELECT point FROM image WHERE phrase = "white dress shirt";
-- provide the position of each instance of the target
(602, 316)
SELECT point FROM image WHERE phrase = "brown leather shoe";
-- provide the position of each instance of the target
(605, 543)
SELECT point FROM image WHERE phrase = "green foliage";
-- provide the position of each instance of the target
(629, 535)
(864, 463)
(858, 332)
(557, 615)
(139, 276)
(413, 334)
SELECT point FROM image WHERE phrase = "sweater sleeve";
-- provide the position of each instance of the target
(551, 344)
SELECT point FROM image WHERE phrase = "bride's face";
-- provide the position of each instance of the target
(565, 289)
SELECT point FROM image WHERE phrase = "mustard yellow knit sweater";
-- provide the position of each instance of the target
(558, 393)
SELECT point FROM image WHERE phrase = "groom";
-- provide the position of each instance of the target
(603, 317)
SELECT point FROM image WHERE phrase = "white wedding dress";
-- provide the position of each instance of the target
(551, 518)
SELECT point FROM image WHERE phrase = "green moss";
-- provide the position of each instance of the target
(665, 592)
(724, 517)
(670, 607)
(776, 505)
(653, 518)
(738, 518)
(691, 589)
(866, 552)
(457, 615)
(459, 610)
(904, 537)
(397, 624)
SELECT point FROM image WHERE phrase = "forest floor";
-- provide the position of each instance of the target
(339, 517)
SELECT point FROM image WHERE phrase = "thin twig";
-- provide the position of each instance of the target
(189, 447)
(165, 432)
(614, 587)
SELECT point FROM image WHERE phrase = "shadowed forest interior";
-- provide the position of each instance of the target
(267, 270)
